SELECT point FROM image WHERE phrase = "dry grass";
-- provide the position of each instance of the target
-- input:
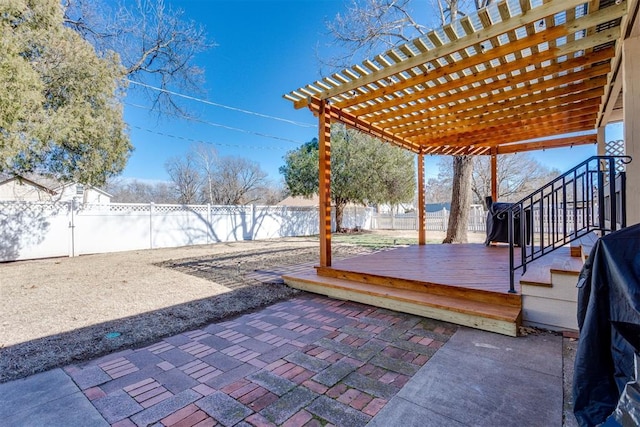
(61, 311)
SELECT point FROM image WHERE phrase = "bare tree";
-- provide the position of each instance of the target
(370, 25)
(237, 181)
(156, 45)
(206, 159)
(518, 175)
(136, 191)
(186, 178)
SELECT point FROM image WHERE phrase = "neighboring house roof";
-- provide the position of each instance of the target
(305, 202)
(4, 178)
(300, 202)
(46, 183)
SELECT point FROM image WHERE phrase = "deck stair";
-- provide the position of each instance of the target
(491, 311)
(549, 293)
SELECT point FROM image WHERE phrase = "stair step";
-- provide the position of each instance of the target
(570, 265)
(503, 319)
(458, 292)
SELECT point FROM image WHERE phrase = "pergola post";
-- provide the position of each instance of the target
(422, 229)
(602, 143)
(631, 105)
(494, 174)
(324, 148)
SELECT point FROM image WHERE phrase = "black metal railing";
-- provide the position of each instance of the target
(589, 197)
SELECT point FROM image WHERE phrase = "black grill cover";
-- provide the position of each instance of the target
(609, 321)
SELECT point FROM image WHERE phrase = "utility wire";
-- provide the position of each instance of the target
(225, 126)
(256, 147)
(215, 104)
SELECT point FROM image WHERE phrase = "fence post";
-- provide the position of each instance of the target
(209, 225)
(151, 205)
(445, 219)
(72, 226)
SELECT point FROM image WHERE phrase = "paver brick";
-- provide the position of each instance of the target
(368, 350)
(334, 373)
(243, 390)
(175, 380)
(90, 377)
(264, 401)
(180, 414)
(94, 393)
(230, 388)
(223, 408)
(282, 409)
(348, 396)
(300, 418)
(394, 365)
(316, 387)
(338, 347)
(302, 376)
(307, 361)
(235, 374)
(259, 421)
(272, 382)
(117, 406)
(361, 401)
(254, 394)
(337, 413)
(374, 406)
(165, 408)
(124, 423)
(336, 390)
(369, 386)
(296, 370)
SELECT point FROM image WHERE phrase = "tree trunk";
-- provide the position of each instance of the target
(460, 200)
(339, 211)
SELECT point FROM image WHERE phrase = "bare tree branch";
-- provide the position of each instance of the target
(156, 44)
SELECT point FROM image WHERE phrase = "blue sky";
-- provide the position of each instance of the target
(265, 48)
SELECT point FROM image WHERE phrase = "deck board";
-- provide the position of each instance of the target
(473, 266)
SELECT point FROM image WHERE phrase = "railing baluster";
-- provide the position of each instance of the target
(613, 217)
(575, 188)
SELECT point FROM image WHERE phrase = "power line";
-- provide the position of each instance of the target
(215, 104)
(256, 147)
(226, 127)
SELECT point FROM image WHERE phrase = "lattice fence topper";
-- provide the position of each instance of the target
(35, 207)
(180, 208)
(616, 148)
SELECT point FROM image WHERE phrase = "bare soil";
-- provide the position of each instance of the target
(64, 310)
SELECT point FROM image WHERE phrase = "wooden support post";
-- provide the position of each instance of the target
(602, 143)
(324, 147)
(494, 174)
(422, 225)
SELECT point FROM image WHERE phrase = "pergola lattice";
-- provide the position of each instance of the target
(487, 84)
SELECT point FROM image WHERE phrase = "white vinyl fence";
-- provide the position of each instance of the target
(30, 230)
(436, 221)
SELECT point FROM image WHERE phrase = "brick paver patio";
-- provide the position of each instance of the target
(308, 361)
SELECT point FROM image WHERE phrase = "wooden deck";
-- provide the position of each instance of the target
(465, 284)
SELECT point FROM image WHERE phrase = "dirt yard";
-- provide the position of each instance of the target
(61, 310)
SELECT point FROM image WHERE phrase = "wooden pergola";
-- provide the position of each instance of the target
(517, 76)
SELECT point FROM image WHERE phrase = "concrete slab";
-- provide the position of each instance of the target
(401, 412)
(479, 378)
(539, 352)
(47, 399)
